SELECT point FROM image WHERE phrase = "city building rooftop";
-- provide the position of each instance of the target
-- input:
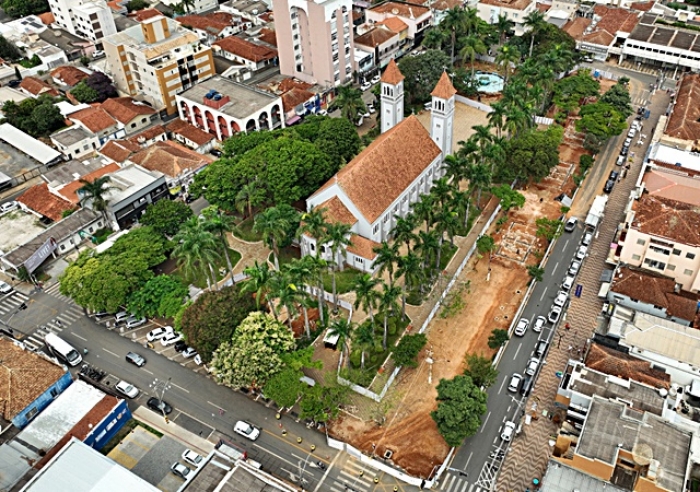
(244, 102)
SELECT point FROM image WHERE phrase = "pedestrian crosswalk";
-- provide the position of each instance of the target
(454, 483)
(35, 341)
(354, 476)
(53, 290)
(11, 302)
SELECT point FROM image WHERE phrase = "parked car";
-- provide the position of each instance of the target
(632, 132)
(134, 322)
(5, 288)
(508, 431)
(247, 430)
(561, 298)
(170, 338)
(180, 470)
(8, 206)
(567, 283)
(587, 238)
(14, 83)
(160, 406)
(180, 346)
(127, 389)
(571, 224)
(521, 327)
(624, 151)
(216, 152)
(541, 347)
(609, 185)
(532, 365)
(370, 108)
(198, 359)
(613, 175)
(376, 79)
(189, 352)
(581, 252)
(120, 316)
(98, 53)
(554, 314)
(191, 457)
(574, 268)
(514, 384)
(158, 333)
(135, 359)
(620, 160)
(365, 86)
(540, 321)
(628, 142)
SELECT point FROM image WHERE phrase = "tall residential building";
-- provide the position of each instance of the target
(89, 20)
(315, 40)
(156, 60)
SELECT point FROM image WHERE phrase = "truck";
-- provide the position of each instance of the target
(595, 214)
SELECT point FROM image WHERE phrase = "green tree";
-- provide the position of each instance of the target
(434, 38)
(548, 229)
(533, 154)
(343, 329)
(338, 139)
(249, 196)
(101, 83)
(273, 224)
(570, 91)
(388, 307)
(461, 404)
(142, 241)
(534, 20)
(505, 58)
(618, 97)
(601, 120)
(408, 349)
(161, 296)
(47, 119)
(8, 50)
(323, 403)
(84, 93)
(338, 239)
(504, 26)
(166, 216)
(258, 282)
(386, 258)
(472, 47)
(536, 272)
(485, 244)
(23, 8)
(254, 353)
(422, 73)
(498, 338)
(196, 250)
(481, 370)
(509, 197)
(241, 142)
(364, 339)
(94, 193)
(454, 22)
(366, 294)
(134, 5)
(349, 102)
(409, 267)
(219, 224)
(285, 387)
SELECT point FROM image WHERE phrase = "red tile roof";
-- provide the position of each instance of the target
(119, 150)
(441, 5)
(336, 211)
(37, 86)
(614, 20)
(294, 97)
(444, 88)
(673, 184)
(375, 178)
(375, 37)
(117, 6)
(642, 6)
(396, 25)
(68, 75)
(245, 49)
(575, 28)
(624, 366)
(47, 18)
(42, 201)
(144, 14)
(70, 191)
(292, 83)
(509, 4)
(125, 109)
(268, 36)
(93, 118)
(663, 217)
(213, 23)
(392, 75)
(409, 10)
(362, 247)
(190, 132)
(684, 120)
(170, 158)
(147, 134)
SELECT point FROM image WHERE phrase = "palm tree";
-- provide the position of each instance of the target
(454, 168)
(454, 22)
(506, 56)
(424, 208)
(300, 272)
(349, 101)
(441, 191)
(504, 27)
(449, 223)
(403, 229)
(338, 235)
(258, 282)
(219, 224)
(386, 259)
(250, 195)
(273, 224)
(282, 289)
(196, 249)
(471, 21)
(318, 266)
(428, 245)
(94, 192)
(366, 295)
(534, 20)
(364, 337)
(496, 117)
(434, 38)
(409, 267)
(342, 328)
(473, 46)
(314, 224)
(388, 306)
(482, 137)
(460, 203)
(479, 178)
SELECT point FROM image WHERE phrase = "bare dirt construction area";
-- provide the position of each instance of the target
(465, 118)
(486, 304)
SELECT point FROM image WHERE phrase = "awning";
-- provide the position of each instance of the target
(293, 119)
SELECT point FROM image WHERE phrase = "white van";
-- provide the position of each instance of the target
(62, 350)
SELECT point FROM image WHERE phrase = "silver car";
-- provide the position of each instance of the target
(134, 322)
(581, 253)
(126, 389)
(561, 298)
(532, 366)
(574, 268)
(521, 328)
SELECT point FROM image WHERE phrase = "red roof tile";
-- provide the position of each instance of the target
(268, 36)
(396, 25)
(684, 120)
(94, 119)
(47, 18)
(42, 201)
(336, 211)
(403, 9)
(125, 109)
(37, 86)
(213, 23)
(245, 49)
(144, 14)
(375, 37)
(362, 247)
(675, 184)
(667, 218)
(68, 75)
(642, 6)
(294, 97)
(509, 4)
(190, 132)
(170, 158)
(119, 150)
(444, 88)
(392, 75)
(147, 134)
(292, 83)
(70, 191)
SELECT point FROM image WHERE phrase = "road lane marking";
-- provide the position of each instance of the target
(556, 265)
(276, 456)
(180, 387)
(566, 244)
(501, 388)
(78, 336)
(289, 443)
(109, 352)
(483, 426)
(213, 404)
(543, 293)
(149, 372)
(517, 350)
(468, 460)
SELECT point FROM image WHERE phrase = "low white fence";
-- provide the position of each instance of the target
(474, 104)
(542, 120)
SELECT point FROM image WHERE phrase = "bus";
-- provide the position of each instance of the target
(62, 350)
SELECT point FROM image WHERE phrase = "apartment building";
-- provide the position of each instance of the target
(88, 20)
(156, 60)
(315, 40)
(417, 17)
(515, 10)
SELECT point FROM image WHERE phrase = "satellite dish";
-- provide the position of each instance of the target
(642, 454)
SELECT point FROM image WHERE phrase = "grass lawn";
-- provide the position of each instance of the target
(344, 281)
(244, 231)
(286, 255)
(199, 280)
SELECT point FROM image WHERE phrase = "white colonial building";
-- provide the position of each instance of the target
(391, 174)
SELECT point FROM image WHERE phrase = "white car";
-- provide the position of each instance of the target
(170, 338)
(134, 322)
(532, 366)
(567, 283)
(191, 457)
(521, 328)
(376, 79)
(574, 268)
(8, 206)
(370, 108)
(189, 352)
(198, 359)
(5, 288)
(508, 431)
(126, 389)
(514, 384)
(540, 321)
(561, 298)
(180, 470)
(581, 253)
(554, 314)
(587, 238)
(365, 86)
(158, 333)
(249, 431)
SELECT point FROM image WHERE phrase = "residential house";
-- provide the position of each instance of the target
(223, 108)
(417, 17)
(440, 8)
(661, 232)
(682, 128)
(150, 136)
(68, 75)
(381, 42)
(268, 36)
(130, 114)
(75, 142)
(250, 9)
(604, 35)
(177, 163)
(388, 176)
(213, 26)
(119, 151)
(98, 122)
(252, 56)
(35, 87)
(29, 382)
(49, 207)
(653, 294)
(73, 46)
(515, 11)
(65, 181)
(157, 60)
(88, 20)
(49, 56)
(190, 136)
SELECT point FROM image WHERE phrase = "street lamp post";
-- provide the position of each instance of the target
(163, 386)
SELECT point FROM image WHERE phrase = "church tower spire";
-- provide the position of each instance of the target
(442, 114)
(391, 96)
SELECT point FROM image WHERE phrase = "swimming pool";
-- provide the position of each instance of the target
(488, 82)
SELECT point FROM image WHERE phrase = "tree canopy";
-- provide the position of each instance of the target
(84, 93)
(161, 296)
(166, 216)
(461, 405)
(570, 91)
(8, 50)
(408, 349)
(533, 154)
(618, 96)
(101, 84)
(23, 8)
(254, 353)
(422, 73)
(214, 317)
(481, 370)
(601, 120)
(37, 117)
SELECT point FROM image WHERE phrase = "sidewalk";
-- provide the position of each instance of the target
(173, 430)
